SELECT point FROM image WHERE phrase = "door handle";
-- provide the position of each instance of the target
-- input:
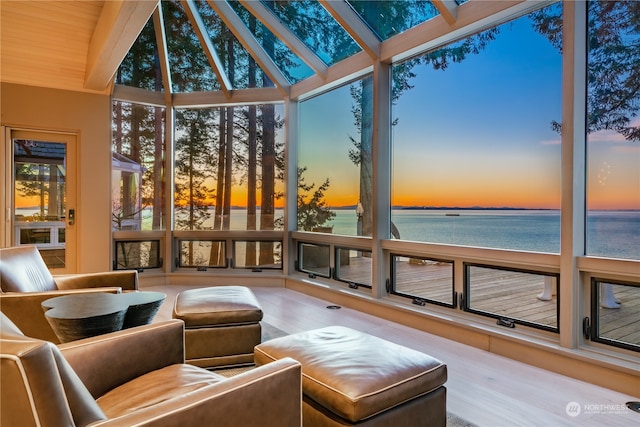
(72, 217)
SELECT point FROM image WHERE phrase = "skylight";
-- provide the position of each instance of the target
(205, 45)
(388, 18)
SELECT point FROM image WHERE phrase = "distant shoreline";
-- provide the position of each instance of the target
(475, 208)
(419, 208)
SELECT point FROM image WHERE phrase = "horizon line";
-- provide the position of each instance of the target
(422, 207)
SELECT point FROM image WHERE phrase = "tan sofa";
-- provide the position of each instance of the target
(136, 377)
(25, 281)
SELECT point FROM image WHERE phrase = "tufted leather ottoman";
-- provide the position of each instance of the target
(222, 325)
(351, 378)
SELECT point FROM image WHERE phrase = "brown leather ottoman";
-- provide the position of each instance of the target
(222, 325)
(351, 378)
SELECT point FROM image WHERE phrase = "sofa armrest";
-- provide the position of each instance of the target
(110, 360)
(127, 280)
(25, 310)
(269, 395)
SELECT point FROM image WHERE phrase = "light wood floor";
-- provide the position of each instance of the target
(484, 388)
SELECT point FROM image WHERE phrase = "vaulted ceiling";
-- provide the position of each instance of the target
(79, 45)
(73, 45)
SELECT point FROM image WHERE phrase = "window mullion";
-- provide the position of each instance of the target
(572, 239)
(381, 121)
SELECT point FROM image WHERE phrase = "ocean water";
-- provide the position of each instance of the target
(537, 231)
(609, 234)
(613, 234)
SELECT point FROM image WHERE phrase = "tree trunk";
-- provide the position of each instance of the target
(228, 170)
(217, 225)
(366, 156)
(267, 205)
(228, 176)
(252, 181)
(158, 207)
(216, 254)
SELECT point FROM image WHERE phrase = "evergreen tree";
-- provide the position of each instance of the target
(191, 169)
(613, 73)
(312, 207)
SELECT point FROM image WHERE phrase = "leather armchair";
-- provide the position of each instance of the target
(25, 281)
(137, 377)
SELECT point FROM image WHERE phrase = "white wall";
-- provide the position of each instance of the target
(87, 115)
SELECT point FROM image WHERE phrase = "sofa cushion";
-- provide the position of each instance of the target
(219, 305)
(22, 269)
(155, 387)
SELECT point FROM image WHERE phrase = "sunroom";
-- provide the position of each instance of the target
(466, 168)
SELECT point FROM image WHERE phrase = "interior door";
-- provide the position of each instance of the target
(44, 196)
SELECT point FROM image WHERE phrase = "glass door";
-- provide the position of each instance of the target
(44, 196)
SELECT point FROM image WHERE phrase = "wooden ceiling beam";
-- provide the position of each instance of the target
(163, 54)
(448, 9)
(120, 23)
(207, 45)
(354, 25)
(286, 36)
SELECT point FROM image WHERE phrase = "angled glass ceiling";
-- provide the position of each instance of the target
(140, 66)
(391, 17)
(188, 64)
(317, 29)
(207, 45)
(288, 62)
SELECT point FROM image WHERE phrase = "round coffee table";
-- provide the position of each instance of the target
(73, 317)
(143, 306)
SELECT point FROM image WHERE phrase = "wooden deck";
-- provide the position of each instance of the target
(54, 258)
(504, 293)
(622, 324)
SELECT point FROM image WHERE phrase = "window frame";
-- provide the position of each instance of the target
(591, 326)
(418, 300)
(502, 320)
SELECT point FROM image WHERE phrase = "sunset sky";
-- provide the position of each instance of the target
(477, 134)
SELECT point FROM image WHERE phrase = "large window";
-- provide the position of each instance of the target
(613, 126)
(228, 168)
(137, 167)
(335, 174)
(613, 166)
(476, 160)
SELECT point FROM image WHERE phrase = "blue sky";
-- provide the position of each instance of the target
(477, 134)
